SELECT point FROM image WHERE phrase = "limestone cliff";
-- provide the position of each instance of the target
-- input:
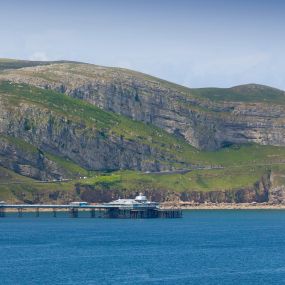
(199, 116)
(32, 164)
(89, 137)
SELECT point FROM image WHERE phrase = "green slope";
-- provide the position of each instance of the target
(245, 93)
(241, 166)
(17, 188)
(6, 63)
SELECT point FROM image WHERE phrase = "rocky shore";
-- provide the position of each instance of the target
(224, 206)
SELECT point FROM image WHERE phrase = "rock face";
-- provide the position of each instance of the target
(86, 145)
(31, 164)
(56, 136)
(205, 124)
(277, 189)
(277, 195)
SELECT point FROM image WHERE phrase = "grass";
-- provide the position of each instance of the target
(21, 144)
(15, 187)
(245, 93)
(132, 181)
(242, 165)
(197, 180)
(238, 155)
(73, 168)
(6, 63)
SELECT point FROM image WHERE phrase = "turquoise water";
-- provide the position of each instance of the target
(204, 247)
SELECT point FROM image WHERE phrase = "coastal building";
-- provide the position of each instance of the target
(140, 202)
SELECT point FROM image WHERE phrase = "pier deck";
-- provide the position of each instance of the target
(96, 211)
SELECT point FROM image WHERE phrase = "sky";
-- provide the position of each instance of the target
(199, 43)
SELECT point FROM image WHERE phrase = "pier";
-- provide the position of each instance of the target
(138, 208)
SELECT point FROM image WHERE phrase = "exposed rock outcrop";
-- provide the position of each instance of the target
(32, 164)
(204, 123)
(277, 189)
(277, 195)
(84, 144)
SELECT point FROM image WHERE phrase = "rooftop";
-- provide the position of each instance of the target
(139, 201)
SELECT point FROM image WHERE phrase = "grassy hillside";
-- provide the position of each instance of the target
(16, 64)
(241, 174)
(245, 93)
(241, 168)
(242, 165)
(228, 169)
(15, 188)
(197, 180)
(60, 69)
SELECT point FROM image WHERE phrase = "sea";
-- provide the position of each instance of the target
(203, 247)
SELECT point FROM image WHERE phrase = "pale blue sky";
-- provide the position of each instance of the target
(195, 43)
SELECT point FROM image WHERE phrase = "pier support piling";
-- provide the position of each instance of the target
(92, 213)
(2, 212)
(20, 212)
(37, 212)
(74, 212)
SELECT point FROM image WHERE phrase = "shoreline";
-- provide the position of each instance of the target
(224, 206)
(188, 206)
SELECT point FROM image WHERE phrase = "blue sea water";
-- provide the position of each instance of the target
(204, 247)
